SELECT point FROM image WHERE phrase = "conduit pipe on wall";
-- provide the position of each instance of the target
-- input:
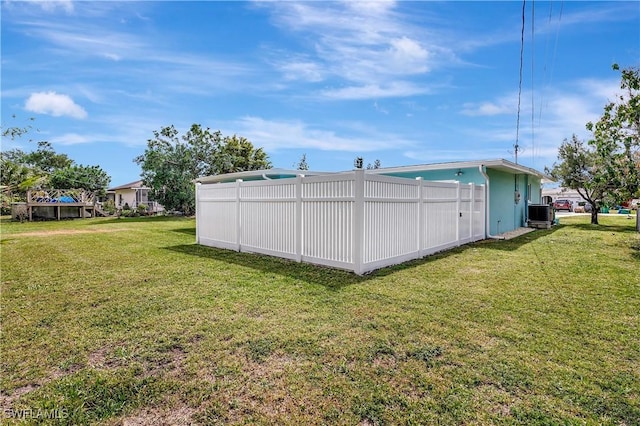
(487, 205)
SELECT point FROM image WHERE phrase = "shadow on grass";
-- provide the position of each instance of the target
(606, 228)
(334, 279)
(187, 231)
(516, 243)
(331, 278)
(145, 219)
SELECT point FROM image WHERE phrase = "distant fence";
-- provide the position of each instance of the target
(351, 220)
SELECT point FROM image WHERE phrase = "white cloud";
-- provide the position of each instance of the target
(558, 114)
(89, 40)
(393, 89)
(302, 70)
(486, 108)
(377, 7)
(54, 104)
(71, 139)
(380, 109)
(408, 55)
(273, 135)
(437, 155)
(53, 5)
(371, 46)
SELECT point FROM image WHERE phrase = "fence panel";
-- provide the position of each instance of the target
(267, 217)
(216, 212)
(391, 215)
(478, 213)
(327, 219)
(440, 216)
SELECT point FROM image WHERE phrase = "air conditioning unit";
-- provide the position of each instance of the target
(540, 216)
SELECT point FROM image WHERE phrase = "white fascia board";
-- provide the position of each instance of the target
(499, 164)
(253, 173)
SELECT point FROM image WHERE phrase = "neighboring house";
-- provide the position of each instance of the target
(553, 194)
(133, 194)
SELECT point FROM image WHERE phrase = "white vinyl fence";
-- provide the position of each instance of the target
(353, 220)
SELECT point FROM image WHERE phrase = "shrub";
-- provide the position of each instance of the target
(109, 206)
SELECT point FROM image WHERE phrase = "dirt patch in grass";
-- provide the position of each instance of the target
(102, 360)
(67, 232)
(171, 364)
(497, 401)
(7, 401)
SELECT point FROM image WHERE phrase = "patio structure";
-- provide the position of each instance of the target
(61, 204)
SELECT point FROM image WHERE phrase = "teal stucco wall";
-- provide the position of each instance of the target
(504, 213)
(469, 175)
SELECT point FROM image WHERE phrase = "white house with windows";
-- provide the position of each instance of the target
(132, 195)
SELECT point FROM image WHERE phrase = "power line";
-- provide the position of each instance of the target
(516, 146)
(533, 149)
(547, 81)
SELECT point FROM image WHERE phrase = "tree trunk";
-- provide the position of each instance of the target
(594, 216)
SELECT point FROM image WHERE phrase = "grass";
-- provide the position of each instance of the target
(110, 321)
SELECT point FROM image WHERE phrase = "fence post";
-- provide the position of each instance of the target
(472, 206)
(29, 208)
(198, 210)
(358, 221)
(420, 226)
(238, 215)
(298, 214)
(458, 213)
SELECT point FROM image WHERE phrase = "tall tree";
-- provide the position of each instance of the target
(617, 136)
(376, 165)
(46, 159)
(44, 167)
(172, 161)
(302, 164)
(91, 178)
(237, 154)
(584, 169)
(610, 164)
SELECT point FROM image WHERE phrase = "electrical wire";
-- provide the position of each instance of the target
(516, 146)
(533, 149)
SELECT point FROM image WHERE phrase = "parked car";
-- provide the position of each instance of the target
(583, 207)
(563, 205)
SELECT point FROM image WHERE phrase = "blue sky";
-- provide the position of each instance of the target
(403, 82)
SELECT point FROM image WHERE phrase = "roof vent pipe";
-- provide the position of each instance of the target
(487, 208)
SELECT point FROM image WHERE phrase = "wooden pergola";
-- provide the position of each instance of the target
(83, 200)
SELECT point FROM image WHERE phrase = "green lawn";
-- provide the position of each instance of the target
(108, 320)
